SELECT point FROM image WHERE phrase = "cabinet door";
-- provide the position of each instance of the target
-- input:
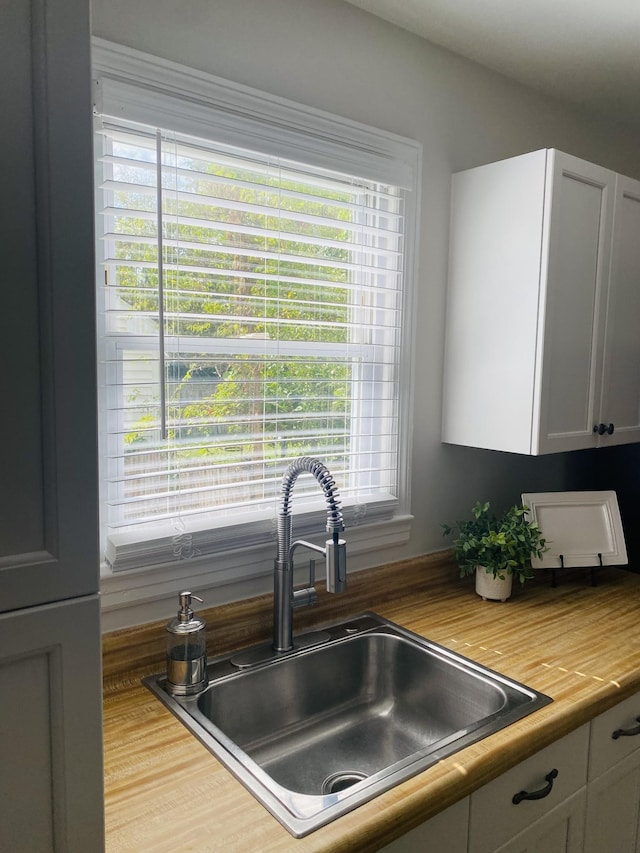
(48, 522)
(576, 243)
(620, 402)
(446, 831)
(495, 818)
(605, 750)
(561, 831)
(613, 810)
(493, 300)
(50, 729)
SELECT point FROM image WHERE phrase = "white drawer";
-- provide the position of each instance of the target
(606, 750)
(495, 818)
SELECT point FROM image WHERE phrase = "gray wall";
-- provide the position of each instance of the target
(330, 55)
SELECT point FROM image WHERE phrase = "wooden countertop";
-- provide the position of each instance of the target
(164, 791)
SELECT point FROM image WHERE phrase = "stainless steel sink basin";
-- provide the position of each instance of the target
(315, 732)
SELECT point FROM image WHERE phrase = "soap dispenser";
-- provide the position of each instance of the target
(186, 650)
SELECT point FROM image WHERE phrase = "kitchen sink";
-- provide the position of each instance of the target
(315, 732)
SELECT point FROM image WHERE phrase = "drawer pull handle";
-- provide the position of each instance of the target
(536, 795)
(627, 732)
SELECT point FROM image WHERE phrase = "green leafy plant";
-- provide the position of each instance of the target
(501, 544)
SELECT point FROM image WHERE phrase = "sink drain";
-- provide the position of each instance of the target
(340, 781)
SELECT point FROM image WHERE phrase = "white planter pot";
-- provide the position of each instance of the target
(494, 588)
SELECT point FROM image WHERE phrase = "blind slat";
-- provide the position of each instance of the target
(263, 210)
(130, 237)
(241, 252)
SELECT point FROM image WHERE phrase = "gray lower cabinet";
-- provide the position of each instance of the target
(51, 729)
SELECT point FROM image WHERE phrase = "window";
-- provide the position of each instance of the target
(252, 302)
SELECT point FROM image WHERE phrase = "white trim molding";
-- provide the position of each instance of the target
(144, 88)
(144, 595)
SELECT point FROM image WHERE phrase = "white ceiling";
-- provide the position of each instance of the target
(583, 51)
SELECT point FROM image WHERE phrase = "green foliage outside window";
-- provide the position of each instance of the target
(254, 298)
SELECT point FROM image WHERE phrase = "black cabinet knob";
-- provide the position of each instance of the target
(600, 429)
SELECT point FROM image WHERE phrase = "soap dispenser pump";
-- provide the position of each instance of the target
(186, 650)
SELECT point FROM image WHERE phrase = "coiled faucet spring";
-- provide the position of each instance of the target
(322, 474)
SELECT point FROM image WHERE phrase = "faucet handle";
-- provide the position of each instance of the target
(336, 565)
(307, 597)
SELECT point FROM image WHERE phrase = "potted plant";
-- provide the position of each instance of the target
(496, 548)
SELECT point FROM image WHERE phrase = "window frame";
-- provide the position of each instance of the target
(148, 89)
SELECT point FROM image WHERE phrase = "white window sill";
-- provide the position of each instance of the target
(144, 595)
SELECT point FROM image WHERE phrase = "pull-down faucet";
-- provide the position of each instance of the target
(335, 552)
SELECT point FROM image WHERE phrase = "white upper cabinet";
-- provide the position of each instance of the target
(543, 306)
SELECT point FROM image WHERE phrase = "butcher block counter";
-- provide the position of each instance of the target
(579, 644)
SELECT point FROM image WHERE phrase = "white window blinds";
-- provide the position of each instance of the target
(250, 311)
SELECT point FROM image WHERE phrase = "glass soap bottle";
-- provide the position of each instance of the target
(186, 650)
